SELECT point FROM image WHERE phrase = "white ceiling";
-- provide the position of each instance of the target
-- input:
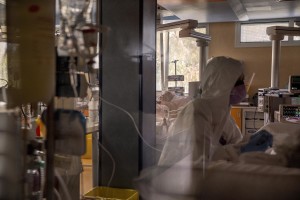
(209, 11)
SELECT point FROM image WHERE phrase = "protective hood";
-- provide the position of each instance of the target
(219, 77)
(200, 125)
(194, 137)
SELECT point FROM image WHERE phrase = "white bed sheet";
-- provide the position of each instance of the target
(221, 181)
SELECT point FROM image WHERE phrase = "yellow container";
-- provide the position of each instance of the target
(88, 153)
(108, 193)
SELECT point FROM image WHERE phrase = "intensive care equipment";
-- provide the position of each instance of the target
(289, 113)
(270, 99)
(294, 84)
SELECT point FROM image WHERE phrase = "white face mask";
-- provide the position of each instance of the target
(238, 94)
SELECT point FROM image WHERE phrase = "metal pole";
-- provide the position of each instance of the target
(276, 39)
(167, 61)
(175, 61)
(202, 56)
(162, 61)
(95, 135)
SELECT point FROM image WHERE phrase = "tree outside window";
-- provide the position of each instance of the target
(186, 51)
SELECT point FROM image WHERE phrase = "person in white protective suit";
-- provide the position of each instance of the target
(206, 120)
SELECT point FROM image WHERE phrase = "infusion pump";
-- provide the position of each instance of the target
(289, 113)
(279, 105)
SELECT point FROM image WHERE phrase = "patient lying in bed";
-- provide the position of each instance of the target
(265, 166)
(274, 144)
(172, 101)
(167, 107)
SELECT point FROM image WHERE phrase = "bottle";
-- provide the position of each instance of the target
(93, 112)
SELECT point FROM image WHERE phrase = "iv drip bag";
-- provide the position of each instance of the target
(31, 64)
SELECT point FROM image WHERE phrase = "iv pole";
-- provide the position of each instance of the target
(175, 61)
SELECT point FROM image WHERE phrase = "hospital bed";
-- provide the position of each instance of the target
(168, 107)
(222, 180)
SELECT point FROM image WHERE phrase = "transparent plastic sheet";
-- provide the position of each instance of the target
(194, 136)
(193, 164)
(185, 165)
(192, 139)
(186, 171)
(11, 151)
(70, 130)
(137, 130)
(181, 139)
(187, 179)
(67, 173)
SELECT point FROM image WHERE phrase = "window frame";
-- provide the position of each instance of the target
(239, 44)
(200, 25)
(204, 25)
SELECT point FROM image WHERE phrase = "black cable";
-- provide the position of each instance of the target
(254, 118)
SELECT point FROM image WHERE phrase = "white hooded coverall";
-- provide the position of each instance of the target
(200, 125)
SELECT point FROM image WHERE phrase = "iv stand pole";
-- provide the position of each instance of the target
(175, 61)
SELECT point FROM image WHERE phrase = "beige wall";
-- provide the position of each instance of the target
(257, 60)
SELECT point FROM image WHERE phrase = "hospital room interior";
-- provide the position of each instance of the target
(150, 100)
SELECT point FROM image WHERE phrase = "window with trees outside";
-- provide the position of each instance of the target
(182, 51)
(3, 64)
(253, 34)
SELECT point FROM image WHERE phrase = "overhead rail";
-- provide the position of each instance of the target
(188, 30)
(183, 24)
(277, 34)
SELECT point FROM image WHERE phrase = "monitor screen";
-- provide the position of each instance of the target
(294, 84)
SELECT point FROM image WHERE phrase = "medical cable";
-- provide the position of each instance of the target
(57, 194)
(113, 162)
(63, 185)
(135, 125)
(140, 135)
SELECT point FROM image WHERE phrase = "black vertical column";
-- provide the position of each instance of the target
(148, 81)
(127, 81)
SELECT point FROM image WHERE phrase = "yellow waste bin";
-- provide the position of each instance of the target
(88, 153)
(109, 193)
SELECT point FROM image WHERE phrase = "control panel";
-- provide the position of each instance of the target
(289, 113)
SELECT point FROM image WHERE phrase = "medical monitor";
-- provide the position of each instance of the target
(294, 84)
(289, 113)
